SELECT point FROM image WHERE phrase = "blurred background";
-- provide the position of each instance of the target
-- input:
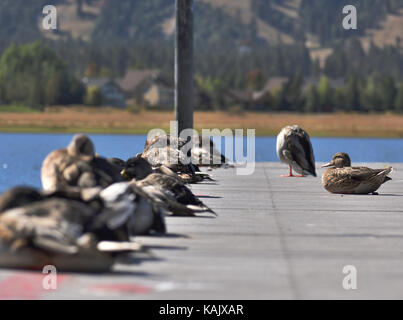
(109, 66)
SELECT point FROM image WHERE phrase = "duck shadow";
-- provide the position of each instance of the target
(169, 235)
(209, 197)
(194, 217)
(163, 247)
(207, 183)
(375, 195)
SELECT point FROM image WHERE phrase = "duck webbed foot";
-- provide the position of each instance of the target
(290, 175)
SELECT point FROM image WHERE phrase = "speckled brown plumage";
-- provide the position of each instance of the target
(341, 178)
(165, 150)
(77, 166)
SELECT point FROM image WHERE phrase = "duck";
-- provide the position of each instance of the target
(39, 228)
(166, 181)
(139, 168)
(78, 166)
(294, 148)
(165, 150)
(341, 178)
(172, 194)
(206, 154)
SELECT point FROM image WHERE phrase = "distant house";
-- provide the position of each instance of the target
(111, 93)
(233, 97)
(159, 96)
(136, 83)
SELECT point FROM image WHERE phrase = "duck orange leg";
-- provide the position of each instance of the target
(290, 175)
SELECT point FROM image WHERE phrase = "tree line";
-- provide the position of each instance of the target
(40, 74)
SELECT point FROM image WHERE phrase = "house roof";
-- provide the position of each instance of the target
(240, 95)
(98, 82)
(134, 78)
(275, 83)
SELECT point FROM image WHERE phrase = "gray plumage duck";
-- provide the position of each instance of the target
(180, 200)
(139, 168)
(341, 178)
(174, 195)
(78, 166)
(205, 153)
(60, 228)
(294, 148)
(165, 150)
(77, 169)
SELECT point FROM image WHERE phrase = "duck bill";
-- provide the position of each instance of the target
(124, 175)
(327, 165)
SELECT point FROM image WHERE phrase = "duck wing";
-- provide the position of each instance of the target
(366, 174)
(300, 147)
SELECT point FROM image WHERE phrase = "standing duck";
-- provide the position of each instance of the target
(341, 178)
(295, 149)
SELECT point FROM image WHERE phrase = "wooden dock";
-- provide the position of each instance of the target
(274, 238)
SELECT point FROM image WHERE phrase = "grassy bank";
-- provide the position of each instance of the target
(112, 121)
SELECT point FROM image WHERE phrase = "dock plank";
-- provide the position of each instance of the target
(274, 238)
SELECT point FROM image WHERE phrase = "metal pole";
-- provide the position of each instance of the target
(184, 65)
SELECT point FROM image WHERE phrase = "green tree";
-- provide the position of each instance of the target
(34, 75)
(93, 96)
(325, 92)
(312, 100)
(387, 92)
(339, 99)
(399, 99)
(352, 95)
(369, 97)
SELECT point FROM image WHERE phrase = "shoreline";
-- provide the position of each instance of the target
(112, 121)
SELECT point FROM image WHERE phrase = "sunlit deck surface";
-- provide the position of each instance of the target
(274, 238)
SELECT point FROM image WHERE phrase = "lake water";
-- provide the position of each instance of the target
(21, 155)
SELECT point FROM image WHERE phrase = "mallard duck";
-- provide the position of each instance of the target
(205, 153)
(72, 234)
(341, 178)
(117, 162)
(164, 150)
(139, 168)
(171, 193)
(77, 166)
(295, 149)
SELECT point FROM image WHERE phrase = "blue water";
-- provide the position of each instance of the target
(21, 155)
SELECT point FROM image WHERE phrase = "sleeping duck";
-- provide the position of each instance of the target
(62, 229)
(294, 148)
(77, 166)
(179, 198)
(341, 178)
(165, 150)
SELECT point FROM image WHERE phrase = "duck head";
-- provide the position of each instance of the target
(136, 168)
(81, 146)
(339, 160)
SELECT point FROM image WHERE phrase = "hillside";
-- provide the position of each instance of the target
(315, 22)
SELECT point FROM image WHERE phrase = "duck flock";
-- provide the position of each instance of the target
(91, 207)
